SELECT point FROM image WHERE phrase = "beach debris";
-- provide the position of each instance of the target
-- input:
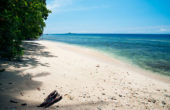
(70, 91)
(38, 89)
(165, 90)
(115, 101)
(21, 94)
(9, 83)
(13, 101)
(98, 65)
(88, 96)
(52, 98)
(3, 89)
(84, 95)
(120, 95)
(103, 93)
(167, 95)
(68, 96)
(143, 102)
(157, 89)
(113, 98)
(24, 104)
(71, 98)
(163, 102)
(153, 100)
(99, 108)
(149, 100)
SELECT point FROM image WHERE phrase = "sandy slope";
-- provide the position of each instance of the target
(73, 72)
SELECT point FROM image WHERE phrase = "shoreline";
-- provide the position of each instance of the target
(91, 53)
(86, 79)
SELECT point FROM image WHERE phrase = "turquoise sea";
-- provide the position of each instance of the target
(148, 51)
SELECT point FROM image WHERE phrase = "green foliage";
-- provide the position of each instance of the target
(20, 20)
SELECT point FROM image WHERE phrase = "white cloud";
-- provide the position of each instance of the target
(164, 30)
(57, 3)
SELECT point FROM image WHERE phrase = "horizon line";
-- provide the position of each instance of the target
(105, 33)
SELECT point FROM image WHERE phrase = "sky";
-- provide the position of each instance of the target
(108, 16)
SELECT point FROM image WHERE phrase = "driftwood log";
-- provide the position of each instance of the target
(52, 98)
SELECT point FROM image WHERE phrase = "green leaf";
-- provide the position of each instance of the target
(3, 15)
(5, 11)
(25, 3)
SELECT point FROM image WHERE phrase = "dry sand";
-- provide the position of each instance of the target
(86, 79)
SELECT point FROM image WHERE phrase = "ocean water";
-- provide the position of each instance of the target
(148, 51)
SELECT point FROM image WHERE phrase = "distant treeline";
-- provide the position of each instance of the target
(20, 20)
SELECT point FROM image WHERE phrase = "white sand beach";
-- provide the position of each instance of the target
(86, 79)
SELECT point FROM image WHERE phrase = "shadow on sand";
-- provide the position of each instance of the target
(14, 82)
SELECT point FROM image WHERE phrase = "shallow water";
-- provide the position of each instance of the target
(148, 51)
